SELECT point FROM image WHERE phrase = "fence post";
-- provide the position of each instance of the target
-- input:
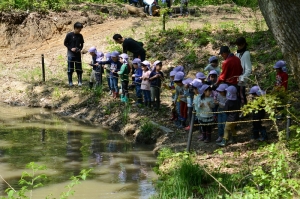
(43, 67)
(191, 131)
(288, 123)
(164, 21)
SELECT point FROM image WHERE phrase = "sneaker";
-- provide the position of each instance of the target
(223, 143)
(79, 84)
(219, 139)
(187, 128)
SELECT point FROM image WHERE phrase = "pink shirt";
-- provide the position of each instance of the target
(145, 83)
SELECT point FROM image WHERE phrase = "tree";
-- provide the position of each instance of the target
(282, 18)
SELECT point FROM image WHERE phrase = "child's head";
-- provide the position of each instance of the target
(205, 91)
(123, 58)
(213, 76)
(255, 91)
(178, 78)
(213, 60)
(224, 52)
(99, 56)
(172, 75)
(241, 43)
(201, 76)
(279, 65)
(114, 56)
(145, 65)
(231, 93)
(179, 69)
(136, 63)
(93, 51)
(196, 84)
(222, 89)
(157, 65)
(77, 27)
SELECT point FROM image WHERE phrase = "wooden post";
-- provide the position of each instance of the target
(164, 22)
(191, 131)
(43, 68)
(288, 123)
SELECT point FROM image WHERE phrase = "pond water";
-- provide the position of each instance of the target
(120, 169)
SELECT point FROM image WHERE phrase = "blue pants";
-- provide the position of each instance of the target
(222, 117)
(178, 109)
(148, 6)
(108, 83)
(138, 92)
(114, 84)
(147, 95)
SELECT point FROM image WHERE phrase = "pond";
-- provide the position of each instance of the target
(65, 146)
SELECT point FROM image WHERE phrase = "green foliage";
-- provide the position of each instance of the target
(113, 46)
(147, 128)
(126, 113)
(30, 181)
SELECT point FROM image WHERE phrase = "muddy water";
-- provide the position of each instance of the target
(120, 169)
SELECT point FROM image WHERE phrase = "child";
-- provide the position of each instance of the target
(74, 42)
(189, 94)
(124, 76)
(220, 102)
(94, 64)
(213, 65)
(281, 77)
(137, 79)
(231, 104)
(183, 8)
(99, 69)
(179, 69)
(155, 78)
(171, 87)
(202, 77)
(255, 91)
(145, 86)
(212, 77)
(203, 107)
(115, 66)
(181, 99)
(107, 71)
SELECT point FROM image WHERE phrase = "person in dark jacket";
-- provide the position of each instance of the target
(74, 43)
(156, 77)
(255, 91)
(232, 104)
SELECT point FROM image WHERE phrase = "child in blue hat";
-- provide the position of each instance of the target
(213, 64)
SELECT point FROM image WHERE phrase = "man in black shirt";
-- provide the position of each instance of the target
(129, 44)
(74, 43)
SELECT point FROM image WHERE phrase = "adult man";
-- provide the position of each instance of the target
(231, 67)
(129, 44)
(74, 43)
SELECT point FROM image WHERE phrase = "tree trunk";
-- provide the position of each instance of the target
(282, 17)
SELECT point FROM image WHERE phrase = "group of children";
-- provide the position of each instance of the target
(212, 104)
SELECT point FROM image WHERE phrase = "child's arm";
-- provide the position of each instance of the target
(122, 70)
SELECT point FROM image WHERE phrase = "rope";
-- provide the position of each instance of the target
(236, 122)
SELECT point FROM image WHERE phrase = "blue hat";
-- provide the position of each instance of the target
(100, 56)
(231, 93)
(92, 50)
(173, 73)
(200, 76)
(107, 55)
(256, 90)
(179, 76)
(280, 64)
(179, 68)
(212, 58)
(212, 72)
(197, 83)
(156, 62)
(114, 54)
(124, 56)
(203, 88)
(222, 87)
(136, 61)
(187, 81)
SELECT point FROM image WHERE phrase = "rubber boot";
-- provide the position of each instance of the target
(157, 105)
(149, 104)
(70, 79)
(208, 137)
(255, 135)
(152, 105)
(91, 85)
(122, 97)
(203, 137)
(264, 135)
(114, 95)
(182, 124)
(79, 76)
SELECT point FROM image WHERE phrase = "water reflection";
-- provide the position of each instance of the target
(121, 167)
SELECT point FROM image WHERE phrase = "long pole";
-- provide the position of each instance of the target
(191, 132)
(43, 68)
